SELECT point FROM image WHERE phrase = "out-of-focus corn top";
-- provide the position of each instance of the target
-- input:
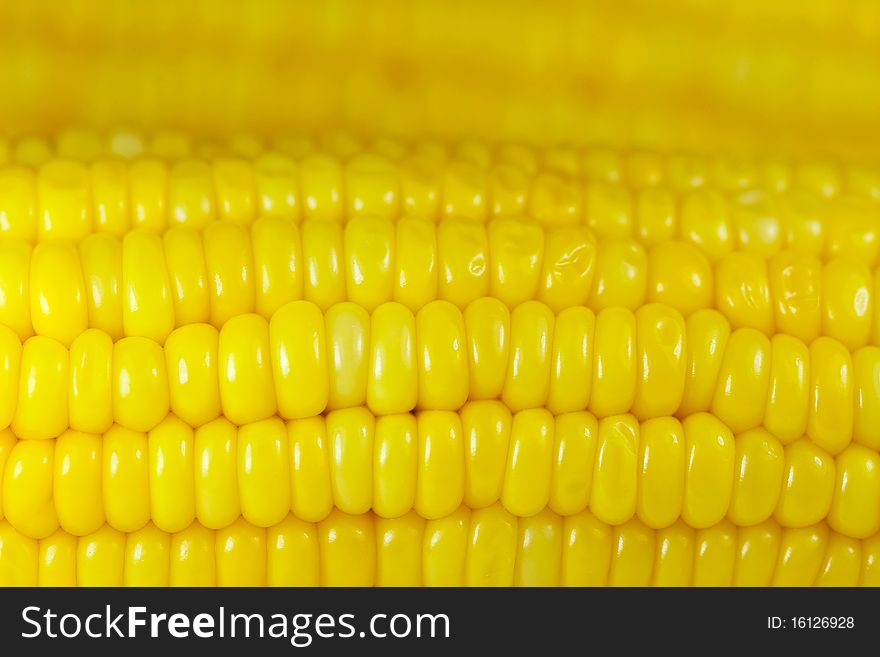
(786, 76)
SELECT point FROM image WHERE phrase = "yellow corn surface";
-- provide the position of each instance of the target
(601, 311)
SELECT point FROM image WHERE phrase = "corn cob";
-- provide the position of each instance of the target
(660, 470)
(481, 547)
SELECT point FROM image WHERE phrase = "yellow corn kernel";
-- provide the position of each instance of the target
(240, 554)
(487, 328)
(674, 556)
(709, 475)
(172, 483)
(230, 270)
(615, 472)
(492, 547)
(101, 259)
(15, 303)
(527, 479)
(516, 248)
(193, 379)
(795, 283)
(27, 488)
(140, 384)
(574, 452)
(855, 508)
(321, 183)
(347, 545)
(90, 394)
(148, 308)
(57, 560)
(125, 479)
(392, 384)
(323, 263)
(851, 229)
(608, 210)
(756, 554)
(571, 369)
(440, 472)
(19, 556)
(568, 267)
(216, 473)
(147, 190)
(395, 465)
(680, 276)
(444, 549)
(527, 384)
(311, 493)
(661, 472)
(347, 330)
(109, 187)
(847, 301)
(293, 555)
(247, 390)
(278, 264)
(192, 557)
(419, 186)
(758, 471)
(10, 368)
(235, 190)
(788, 399)
(715, 551)
(58, 306)
(63, 205)
(621, 275)
(100, 558)
(372, 187)
(614, 362)
(539, 550)
(18, 203)
(351, 436)
(756, 224)
(508, 189)
(801, 551)
(463, 191)
(842, 563)
(662, 359)
(187, 275)
(463, 271)
(77, 494)
(263, 472)
(147, 557)
(486, 427)
(705, 221)
(808, 485)
(742, 291)
(870, 561)
(369, 252)
(632, 559)
(830, 420)
(398, 550)
(586, 550)
(441, 356)
(41, 411)
(299, 360)
(191, 198)
(655, 215)
(866, 388)
(415, 264)
(7, 442)
(743, 380)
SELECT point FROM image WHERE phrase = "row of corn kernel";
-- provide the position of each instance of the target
(69, 200)
(637, 169)
(145, 285)
(485, 547)
(651, 363)
(660, 470)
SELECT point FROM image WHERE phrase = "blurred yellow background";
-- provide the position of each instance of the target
(785, 76)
